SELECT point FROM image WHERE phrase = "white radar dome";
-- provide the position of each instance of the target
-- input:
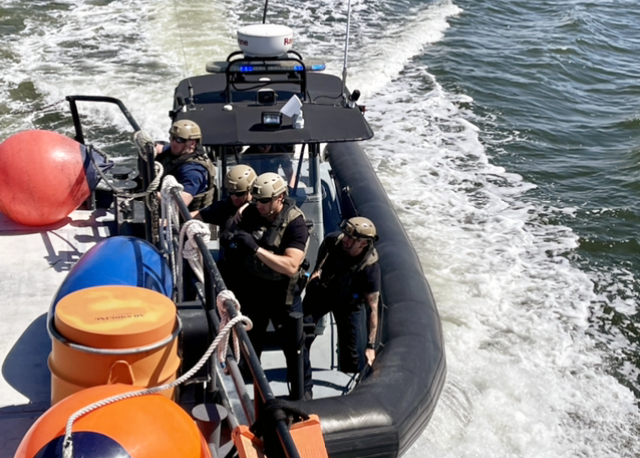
(265, 40)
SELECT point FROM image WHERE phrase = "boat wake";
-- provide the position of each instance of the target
(522, 359)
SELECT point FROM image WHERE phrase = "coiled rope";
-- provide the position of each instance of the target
(67, 446)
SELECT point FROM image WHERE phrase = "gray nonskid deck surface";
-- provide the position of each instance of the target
(327, 381)
(33, 264)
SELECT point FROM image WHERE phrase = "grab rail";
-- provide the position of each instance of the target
(216, 283)
(145, 165)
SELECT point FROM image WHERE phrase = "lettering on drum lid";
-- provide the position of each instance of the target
(119, 317)
(288, 41)
(115, 316)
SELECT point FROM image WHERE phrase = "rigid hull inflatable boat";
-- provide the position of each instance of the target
(265, 94)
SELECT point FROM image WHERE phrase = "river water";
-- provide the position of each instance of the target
(508, 137)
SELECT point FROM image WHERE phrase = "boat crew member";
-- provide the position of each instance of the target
(345, 280)
(270, 244)
(185, 159)
(238, 181)
(281, 158)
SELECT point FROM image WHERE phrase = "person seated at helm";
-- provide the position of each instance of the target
(185, 160)
(282, 158)
(238, 182)
(345, 280)
(266, 253)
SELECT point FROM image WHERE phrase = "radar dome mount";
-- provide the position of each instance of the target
(265, 40)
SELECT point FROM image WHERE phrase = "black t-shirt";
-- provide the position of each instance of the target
(218, 212)
(250, 287)
(336, 268)
(295, 235)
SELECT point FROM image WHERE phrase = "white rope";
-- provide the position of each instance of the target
(68, 440)
(225, 295)
(153, 187)
(144, 142)
(168, 220)
(189, 249)
(155, 184)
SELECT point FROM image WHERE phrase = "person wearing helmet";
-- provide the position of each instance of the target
(266, 253)
(185, 159)
(346, 280)
(238, 181)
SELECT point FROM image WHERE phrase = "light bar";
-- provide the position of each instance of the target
(265, 66)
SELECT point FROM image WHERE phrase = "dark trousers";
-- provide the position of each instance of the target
(261, 303)
(350, 320)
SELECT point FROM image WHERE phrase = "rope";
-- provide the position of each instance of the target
(227, 295)
(144, 143)
(67, 446)
(123, 196)
(39, 110)
(189, 249)
(51, 105)
(169, 217)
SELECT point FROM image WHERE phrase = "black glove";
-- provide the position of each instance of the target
(226, 240)
(243, 238)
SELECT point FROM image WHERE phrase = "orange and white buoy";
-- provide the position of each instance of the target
(42, 177)
(148, 426)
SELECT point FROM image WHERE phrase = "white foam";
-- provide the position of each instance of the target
(526, 377)
(133, 51)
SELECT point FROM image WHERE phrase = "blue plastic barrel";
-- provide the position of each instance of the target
(120, 260)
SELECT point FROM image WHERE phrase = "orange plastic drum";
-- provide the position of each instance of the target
(127, 336)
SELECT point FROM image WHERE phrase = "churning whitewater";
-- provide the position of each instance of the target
(526, 376)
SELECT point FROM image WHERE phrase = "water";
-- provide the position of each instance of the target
(507, 135)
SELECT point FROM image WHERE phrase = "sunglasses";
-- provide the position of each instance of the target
(239, 194)
(178, 139)
(266, 200)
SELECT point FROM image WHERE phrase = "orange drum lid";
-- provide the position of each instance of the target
(115, 317)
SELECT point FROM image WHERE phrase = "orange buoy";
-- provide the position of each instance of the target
(149, 426)
(42, 177)
(124, 334)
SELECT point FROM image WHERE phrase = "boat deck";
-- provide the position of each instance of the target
(34, 263)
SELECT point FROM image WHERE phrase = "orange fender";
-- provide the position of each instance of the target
(42, 177)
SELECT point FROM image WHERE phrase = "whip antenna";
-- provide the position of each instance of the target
(346, 52)
(184, 56)
(264, 16)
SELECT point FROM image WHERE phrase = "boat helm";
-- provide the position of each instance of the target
(186, 129)
(359, 227)
(268, 185)
(240, 179)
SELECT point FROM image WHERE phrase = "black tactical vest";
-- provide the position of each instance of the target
(172, 163)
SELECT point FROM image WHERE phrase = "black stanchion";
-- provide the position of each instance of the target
(261, 384)
(297, 377)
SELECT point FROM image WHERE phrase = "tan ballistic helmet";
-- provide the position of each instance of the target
(240, 178)
(359, 227)
(186, 129)
(269, 185)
